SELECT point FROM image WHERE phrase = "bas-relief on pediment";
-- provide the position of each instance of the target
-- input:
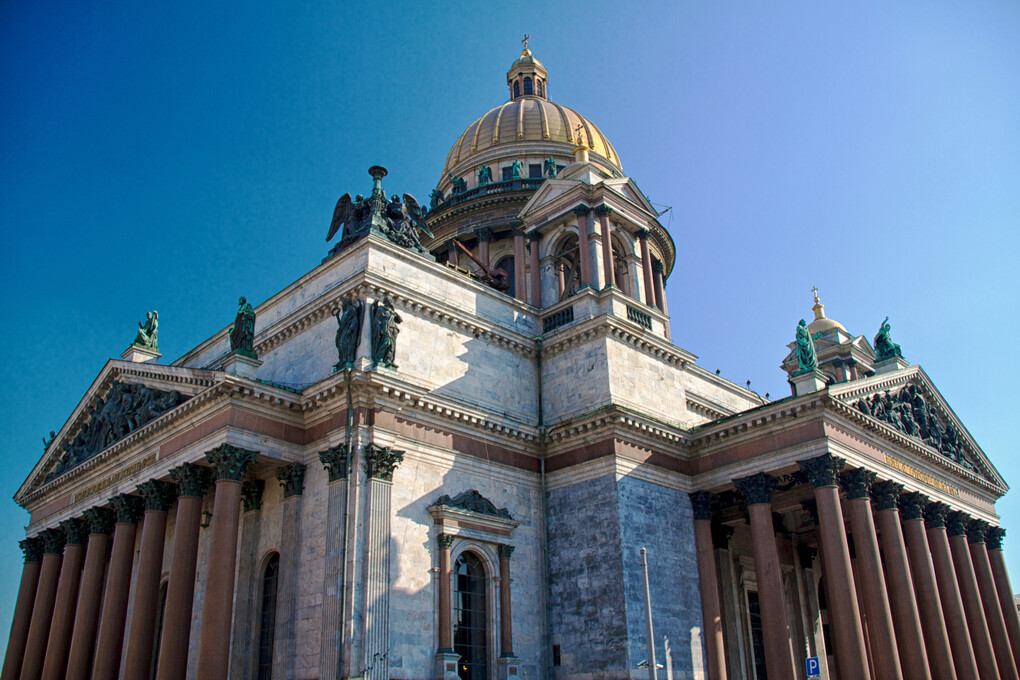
(124, 408)
(917, 412)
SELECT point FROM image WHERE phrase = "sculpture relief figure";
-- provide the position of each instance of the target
(806, 359)
(484, 175)
(885, 348)
(435, 198)
(515, 169)
(550, 167)
(46, 442)
(385, 327)
(348, 332)
(147, 332)
(242, 335)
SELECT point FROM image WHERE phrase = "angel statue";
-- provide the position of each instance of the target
(242, 335)
(342, 214)
(885, 348)
(385, 327)
(515, 169)
(806, 360)
(348, 332)
(147, 333)
(484, 175)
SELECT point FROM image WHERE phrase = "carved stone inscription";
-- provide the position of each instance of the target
(125, 408)
(909, 412)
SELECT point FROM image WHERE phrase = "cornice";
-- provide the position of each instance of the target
(710, 434)
(606, 324)
(619, 421)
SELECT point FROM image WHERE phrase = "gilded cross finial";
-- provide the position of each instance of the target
(525, 41)
(577, 133)
(814, 289)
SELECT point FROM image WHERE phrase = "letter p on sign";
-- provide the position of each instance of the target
(813, 669)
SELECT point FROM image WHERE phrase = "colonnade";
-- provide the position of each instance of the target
(67, 625)
(934, 596)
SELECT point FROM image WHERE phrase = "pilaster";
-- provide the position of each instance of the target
(335, 462)
(292, 482)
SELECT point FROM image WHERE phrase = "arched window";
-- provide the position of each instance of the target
(568, 267)
(507, 265)
(527, 86)
(621, 270)
(160, 611)
(540, 86)
(517, 89)
(267, 617)
(470, 618)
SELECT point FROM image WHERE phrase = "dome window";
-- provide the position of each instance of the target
(535, 171)
(517, 89)
(540, 88)
(528, 87)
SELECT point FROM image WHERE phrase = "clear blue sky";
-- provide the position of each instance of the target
(174, 157)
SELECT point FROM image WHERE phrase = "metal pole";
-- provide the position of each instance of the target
(653, 672)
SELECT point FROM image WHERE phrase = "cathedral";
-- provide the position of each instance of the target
(464, 446)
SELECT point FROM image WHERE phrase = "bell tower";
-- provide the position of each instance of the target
(527, 77)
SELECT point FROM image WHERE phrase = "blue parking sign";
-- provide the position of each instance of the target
(813, 669)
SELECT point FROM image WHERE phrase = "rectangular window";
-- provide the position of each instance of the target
(535, 171)
(508, 174)
(556, 655)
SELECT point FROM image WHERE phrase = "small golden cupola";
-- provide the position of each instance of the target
(527, 77)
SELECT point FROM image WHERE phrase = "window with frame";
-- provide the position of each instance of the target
(568, 267)
(527, 86)
(517, 89)
(507, 265)
(470, 618)
(267, 617)
(535, 171)
(508, 174)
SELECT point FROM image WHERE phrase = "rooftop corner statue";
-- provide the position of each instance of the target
(805, 350)
(147, 332)
(397, 220)
(885, 348)
(242, 335)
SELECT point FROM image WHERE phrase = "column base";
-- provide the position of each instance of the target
(805, 383)
(242, 365)
(507, 667)
(891, 364)
(446, 666)
(140, 355)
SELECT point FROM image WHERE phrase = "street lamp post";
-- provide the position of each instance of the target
(653, 673)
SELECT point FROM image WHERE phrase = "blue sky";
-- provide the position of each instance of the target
(176, 157)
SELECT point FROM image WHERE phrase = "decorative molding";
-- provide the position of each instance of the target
(192, 480)
(251, 494)
(993, 538)
(231, 462)
(334, 460)
(856, 483)
(701, 504)
(976, 530)
(157, 495)
(472, 501)
(445, 541)
(956, 523)
(292, 479)
(886, 494)
(53, 541)
(822, 470)
(381, 461)
(33, 549)
(505, 551)
(101, 520)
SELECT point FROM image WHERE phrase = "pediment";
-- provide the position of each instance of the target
(909, 404)
(123, 399)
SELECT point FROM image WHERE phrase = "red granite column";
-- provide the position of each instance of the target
(142, 627)
(956, 527)
(851, 655)
(484, 237)
(110, 640)
(990, 599)
(506, 636)
(536, 276)
(646, 266)
(933, 621)
(708, 586)
(59, 642)
(230, 463)
(608, 267)
(1004, 591)
(757, 491)
(520, 278)
(909, 637)
(33, 549)
(42, 608)
(584, 254)
(86, 619)
(445, 599)
(949, 592)
(192, 481)
(885, 659)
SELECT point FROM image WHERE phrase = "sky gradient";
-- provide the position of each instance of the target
(176, 157)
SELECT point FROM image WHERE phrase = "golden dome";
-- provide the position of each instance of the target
(529, 119)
